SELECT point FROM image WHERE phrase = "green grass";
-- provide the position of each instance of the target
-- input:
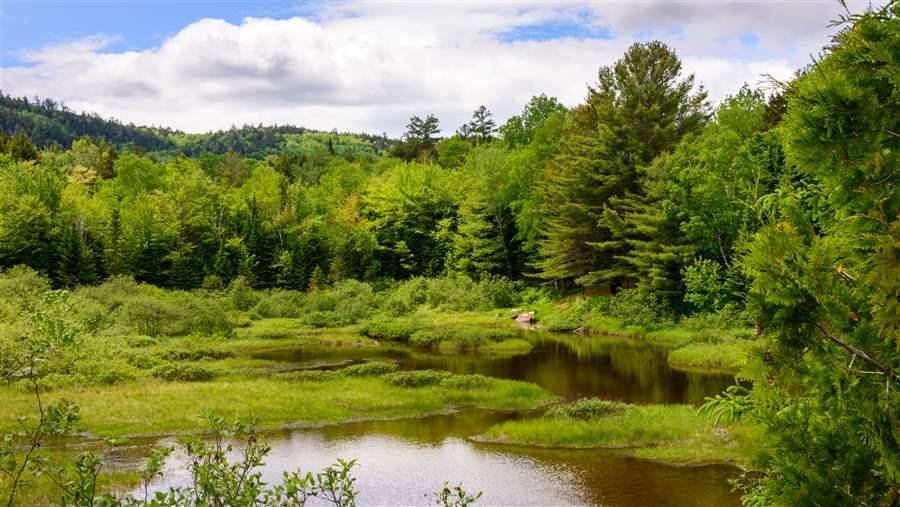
(673, 434)
(485, 331)
(152, 407)
(42, 491)
(727, 356)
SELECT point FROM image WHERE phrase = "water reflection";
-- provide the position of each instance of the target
(403, 461)
(569, 365)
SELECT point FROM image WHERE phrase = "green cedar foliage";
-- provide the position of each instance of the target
(825, 282)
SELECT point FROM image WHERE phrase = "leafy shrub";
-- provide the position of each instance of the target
(586, 409)
(419, 378)
(241, 294)
(406, 297)
(281, 303)
(144, 360)
(213, 282)
(705, 287)
(108, 372)
(389, 329)
(141, 341)
(348, 302)
(194, 352)
(568, 318)
(21, 290)
(369, 369)
(637, 307)
(728, 317)
(455, 293)
(122, 306)
(182, 372)
(463, 337)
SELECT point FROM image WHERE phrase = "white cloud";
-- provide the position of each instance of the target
(368, 67)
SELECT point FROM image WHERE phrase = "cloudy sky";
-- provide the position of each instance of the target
(200, 65)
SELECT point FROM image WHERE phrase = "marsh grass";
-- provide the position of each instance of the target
(727, 356)
(673, 434)
(153, 407)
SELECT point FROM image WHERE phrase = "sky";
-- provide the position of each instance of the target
(201, 65)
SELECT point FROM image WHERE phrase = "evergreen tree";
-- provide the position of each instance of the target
(481, 128)
(20, 148)
(419, 140)
(640, 107)
(825, 283)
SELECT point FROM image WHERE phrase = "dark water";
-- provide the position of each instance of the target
(569, 365)
(401, 462)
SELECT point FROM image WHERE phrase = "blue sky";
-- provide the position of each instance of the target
(200, 65)
(31, 24)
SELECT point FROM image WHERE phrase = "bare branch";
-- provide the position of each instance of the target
(884, 370)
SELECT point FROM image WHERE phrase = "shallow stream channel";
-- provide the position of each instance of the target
(401, 462)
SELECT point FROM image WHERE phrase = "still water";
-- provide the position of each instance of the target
(566, 364)
(401, 462)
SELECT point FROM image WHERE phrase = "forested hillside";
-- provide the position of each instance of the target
(776, 208)
(51, 124)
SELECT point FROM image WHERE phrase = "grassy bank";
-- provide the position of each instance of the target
(427, 329)
(727, 356)
(672, 434)
(297, 398)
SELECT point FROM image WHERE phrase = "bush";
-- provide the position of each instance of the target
(194, 352)
(281, 303)
(420, 378)
(241, 294)
(122, 306)
(705, 287)
(141, 341)
(463, 337)
(370, 369)
(406, 297)
(389, 329)
(213, 282)
(637, 307)
(455, 293)
(587, 409)
(144, 360)
(182, 373)
(348, 302)
(21, 290)
(714, 325)
(568, 318)
(108, 372)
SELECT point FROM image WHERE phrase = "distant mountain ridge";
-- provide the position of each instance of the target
(47, 122)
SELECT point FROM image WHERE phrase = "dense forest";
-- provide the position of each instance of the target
(775, 208)
(48, 124)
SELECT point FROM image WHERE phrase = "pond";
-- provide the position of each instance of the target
(401, 462)
(569, 365)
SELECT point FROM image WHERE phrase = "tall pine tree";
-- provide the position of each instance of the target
(640, 107)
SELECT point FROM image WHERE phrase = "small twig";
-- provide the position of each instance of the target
(884, 370)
